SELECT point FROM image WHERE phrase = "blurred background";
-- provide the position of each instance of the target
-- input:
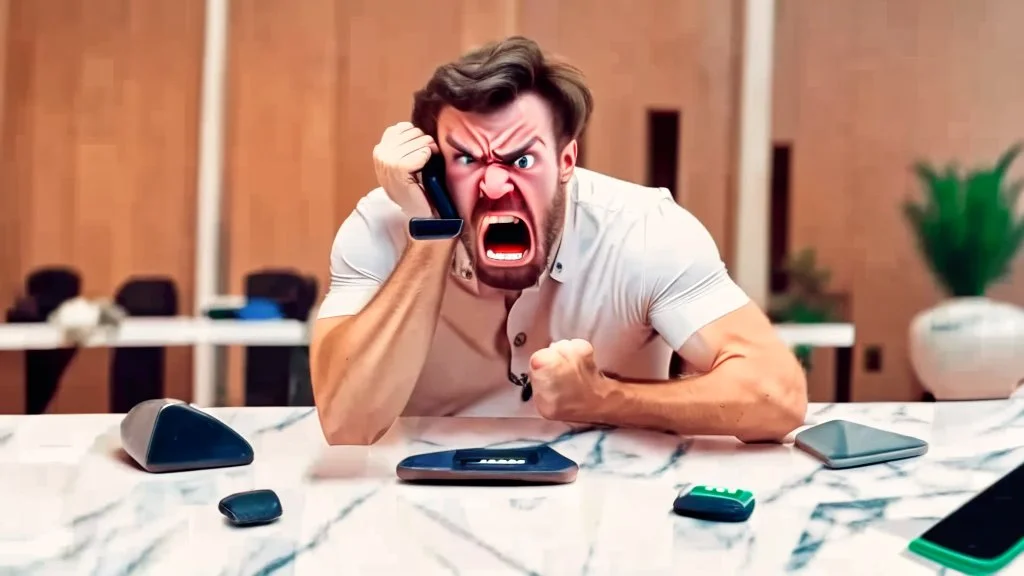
(106, 177)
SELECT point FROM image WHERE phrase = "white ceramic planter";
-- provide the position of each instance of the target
(969, 349)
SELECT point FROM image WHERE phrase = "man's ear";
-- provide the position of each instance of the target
(567, 161)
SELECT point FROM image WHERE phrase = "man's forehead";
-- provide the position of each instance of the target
(524, 117)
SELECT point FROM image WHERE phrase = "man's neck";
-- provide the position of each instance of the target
(510, 299)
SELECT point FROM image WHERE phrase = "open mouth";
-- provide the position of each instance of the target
(506, 239)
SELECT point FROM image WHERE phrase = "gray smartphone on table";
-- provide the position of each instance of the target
(845, 444)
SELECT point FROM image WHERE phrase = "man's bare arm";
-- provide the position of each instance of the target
(749, 385)
(364, 367)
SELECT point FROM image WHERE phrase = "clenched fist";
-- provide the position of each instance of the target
(402, 151)
(567, 384)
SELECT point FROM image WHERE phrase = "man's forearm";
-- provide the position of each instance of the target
(365, 369)
(732, 400)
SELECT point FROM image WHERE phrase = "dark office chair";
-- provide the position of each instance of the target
(45, 290)
(279, 375)
(137, 374)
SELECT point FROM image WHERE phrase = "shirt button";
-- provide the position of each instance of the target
(467, 274)
(519, 340)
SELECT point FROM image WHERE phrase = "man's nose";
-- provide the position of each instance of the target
(495, 183)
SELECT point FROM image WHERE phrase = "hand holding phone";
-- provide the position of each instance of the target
(402, 152)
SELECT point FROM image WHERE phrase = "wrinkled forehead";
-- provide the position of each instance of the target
(525, 118)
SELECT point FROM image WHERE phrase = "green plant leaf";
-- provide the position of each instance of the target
(967, 226)
(1003, 164)
(806, 300)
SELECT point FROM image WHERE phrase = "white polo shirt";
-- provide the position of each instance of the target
(634, 274)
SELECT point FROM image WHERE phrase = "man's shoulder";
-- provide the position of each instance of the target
(618, 202)
(604, 192)
(377, 210)
(377, 201)
(374, 218)
(642, 225)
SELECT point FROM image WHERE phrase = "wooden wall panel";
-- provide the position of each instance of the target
(870, 86)
(98, 157)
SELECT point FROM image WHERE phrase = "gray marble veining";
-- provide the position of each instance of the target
(76, 505)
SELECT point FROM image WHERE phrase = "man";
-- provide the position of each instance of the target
(568, 283)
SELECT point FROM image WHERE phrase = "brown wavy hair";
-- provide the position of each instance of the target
(492, 76)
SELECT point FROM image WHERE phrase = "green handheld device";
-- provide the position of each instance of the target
(715, 504)
(983, 535)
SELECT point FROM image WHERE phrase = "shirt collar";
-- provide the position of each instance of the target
(563, 258)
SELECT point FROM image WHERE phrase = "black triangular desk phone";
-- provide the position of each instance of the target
(166, 435)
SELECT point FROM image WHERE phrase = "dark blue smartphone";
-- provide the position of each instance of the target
(435, 185)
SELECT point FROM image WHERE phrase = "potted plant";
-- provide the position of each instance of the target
(806, 299)
(968, 231)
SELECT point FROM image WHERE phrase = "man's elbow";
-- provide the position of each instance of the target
(344, 427)
(350, 433)
(349, 437)
(780, 401)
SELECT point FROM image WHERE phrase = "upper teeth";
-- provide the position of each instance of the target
(502, 220)
(504, 255)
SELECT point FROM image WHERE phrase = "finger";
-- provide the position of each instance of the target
(414, 161)
(544, 359)
(396, 129)
(564, 349)
(422, 142)
(580, 345)
(584, 353)
(581, 348)
(409, 135)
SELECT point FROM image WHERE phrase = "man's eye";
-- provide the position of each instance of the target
(525, 161)
(463, 159)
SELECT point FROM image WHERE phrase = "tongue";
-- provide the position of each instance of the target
(506, 248)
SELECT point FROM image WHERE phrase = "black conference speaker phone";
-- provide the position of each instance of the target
(168, 435)
(435, 186)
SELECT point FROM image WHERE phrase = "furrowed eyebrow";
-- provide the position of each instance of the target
(458, 147)
(515, 154)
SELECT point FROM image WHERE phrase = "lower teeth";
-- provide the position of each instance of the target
(504, 255)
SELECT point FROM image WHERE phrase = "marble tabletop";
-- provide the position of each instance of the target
(75, 505)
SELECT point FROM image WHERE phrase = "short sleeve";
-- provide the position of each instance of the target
(685, 282)
(363, 255)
